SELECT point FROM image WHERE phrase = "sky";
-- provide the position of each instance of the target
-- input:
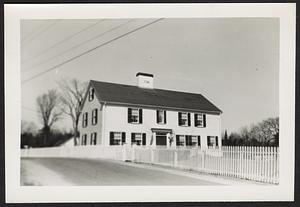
(234, 62)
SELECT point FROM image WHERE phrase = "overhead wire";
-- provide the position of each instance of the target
(78, 45)
(90, 50)
(41, 32)
(62, 41)
(26, 36)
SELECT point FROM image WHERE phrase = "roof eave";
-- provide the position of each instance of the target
(163, 107)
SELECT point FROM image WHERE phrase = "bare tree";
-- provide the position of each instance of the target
(245, 134)
(270, 129)
(28, 127)
(47, 104)
(266, 131)
(72, 94)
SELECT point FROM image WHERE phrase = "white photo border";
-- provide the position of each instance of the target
(15, 193)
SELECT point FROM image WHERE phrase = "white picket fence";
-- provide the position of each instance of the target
(252, 163)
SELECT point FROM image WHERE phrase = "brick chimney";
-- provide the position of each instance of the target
(144, 80)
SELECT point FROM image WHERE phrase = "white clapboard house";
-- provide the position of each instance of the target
(117, 114)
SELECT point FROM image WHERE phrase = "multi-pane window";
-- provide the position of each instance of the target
(117, 138)
(84, 139)
(212, 141)
(85, 119)
(93, 138)
(161, 117)
(135, 115)
(187, 140)
(192, 140)
(138, 138)
(184, 119)
(200, 120)
(91, 94)
(180, 140)
(94, 116)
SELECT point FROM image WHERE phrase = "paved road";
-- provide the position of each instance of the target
(91, 172)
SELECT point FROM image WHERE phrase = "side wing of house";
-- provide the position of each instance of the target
(90, 122)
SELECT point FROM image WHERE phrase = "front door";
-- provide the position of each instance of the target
(161, 139)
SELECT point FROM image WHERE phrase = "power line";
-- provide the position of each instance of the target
(90, 50)
(78, 45)
(41, 32)
(62, 41)
(32, 32)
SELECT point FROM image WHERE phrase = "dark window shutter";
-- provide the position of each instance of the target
(96, 116)
(165, 116)
(144, 139)
(189, 119)
(95, 138)
(83, 115)
(195, 120)
(208, 140)
(187, 140)
(132, 138)
(123, 137)
(111, 138)
(92, 117)
(129, 115)
(217, 144)
(140, 116)
(204, 120)
(179, 118)
(199, 141)
(86, 120)
(177, 140)
(93, 93)
(157, 114)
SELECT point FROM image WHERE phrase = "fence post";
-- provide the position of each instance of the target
(123, 153)
(151, 155)
(133, 153)
(175, 158)
(203, 160)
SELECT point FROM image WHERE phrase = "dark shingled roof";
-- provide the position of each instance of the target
(133, 95)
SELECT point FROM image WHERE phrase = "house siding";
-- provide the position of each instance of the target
(88, 107)
(116, 119)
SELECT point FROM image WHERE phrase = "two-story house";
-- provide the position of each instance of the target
(117, 114)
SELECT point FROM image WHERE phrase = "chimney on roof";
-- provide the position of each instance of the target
(144, 80)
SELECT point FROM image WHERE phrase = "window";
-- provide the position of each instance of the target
(91, 94)
(200, 120)
(180, 140)
(161, 117)
(93, 138)
(85, 119)
(84, 139)
(138, 138)
(117, 138)
(184, 119)
(192, 140)
(135, 115)
(187, 140)
(94, 116)
(212, 141)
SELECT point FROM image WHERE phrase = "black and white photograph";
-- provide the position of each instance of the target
(187, 103)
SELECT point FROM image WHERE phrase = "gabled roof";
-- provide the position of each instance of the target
(133, 95)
